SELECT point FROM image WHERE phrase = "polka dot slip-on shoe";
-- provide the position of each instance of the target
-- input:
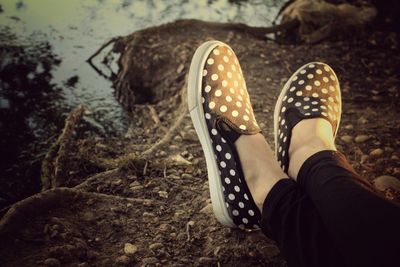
(220, 109)
(312, 92)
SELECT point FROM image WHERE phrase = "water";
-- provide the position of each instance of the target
(44, 45)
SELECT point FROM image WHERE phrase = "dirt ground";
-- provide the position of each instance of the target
(143, 200)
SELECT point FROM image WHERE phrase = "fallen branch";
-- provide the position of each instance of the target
(187, 232)
(261, 32)
(320, 19)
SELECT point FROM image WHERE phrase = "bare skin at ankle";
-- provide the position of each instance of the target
(260, 168)
(309, 137)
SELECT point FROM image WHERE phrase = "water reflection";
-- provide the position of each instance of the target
(30, 113)
(43, 73)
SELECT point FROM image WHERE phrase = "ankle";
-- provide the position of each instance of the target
(309, 137)
(260, 168)
(313, 142)
(260, 186)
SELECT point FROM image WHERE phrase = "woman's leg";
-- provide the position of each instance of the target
(290, 218)
(329, 211)
(364, 226)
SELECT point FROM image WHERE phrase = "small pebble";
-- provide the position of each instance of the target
(135, 183)
(130, 249)
(190, 136)
(364, 158)
(137, 187)
(186, 176)
(376, 152)
(180, 161)
(163, 227)
(385, 182)
(346, 138)
(361, 138)
(349, 127)
(174, 147)
(163, 194)
(362, 120)
(178, 138)
(180, 68)
(252, 254)
(389, 149)
(175, 177)
(179, 213)
(117, 182)
(149, 260)
(206, 260)
(122, 260)
(156, 246)
(52, 262)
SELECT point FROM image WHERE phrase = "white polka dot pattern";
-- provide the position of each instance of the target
(317, 96)
(225, 94)
(225, 88)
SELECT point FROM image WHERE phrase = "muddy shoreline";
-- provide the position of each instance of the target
(43, 57)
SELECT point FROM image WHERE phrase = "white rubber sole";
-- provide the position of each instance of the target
(199, 122)
(278, 105)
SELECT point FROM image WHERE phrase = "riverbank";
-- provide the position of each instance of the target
(143, 199)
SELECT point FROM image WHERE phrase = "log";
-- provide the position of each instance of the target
(319, 19)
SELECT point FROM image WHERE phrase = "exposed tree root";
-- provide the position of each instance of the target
(52, 172)
(22, 211)
(261, 32)
(182, 112)
(98, 51)
(101, 48)
(95, 177)
(36, 204)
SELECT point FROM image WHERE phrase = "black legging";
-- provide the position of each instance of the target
(330, 218)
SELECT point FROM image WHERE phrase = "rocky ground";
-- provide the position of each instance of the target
(143, 200)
